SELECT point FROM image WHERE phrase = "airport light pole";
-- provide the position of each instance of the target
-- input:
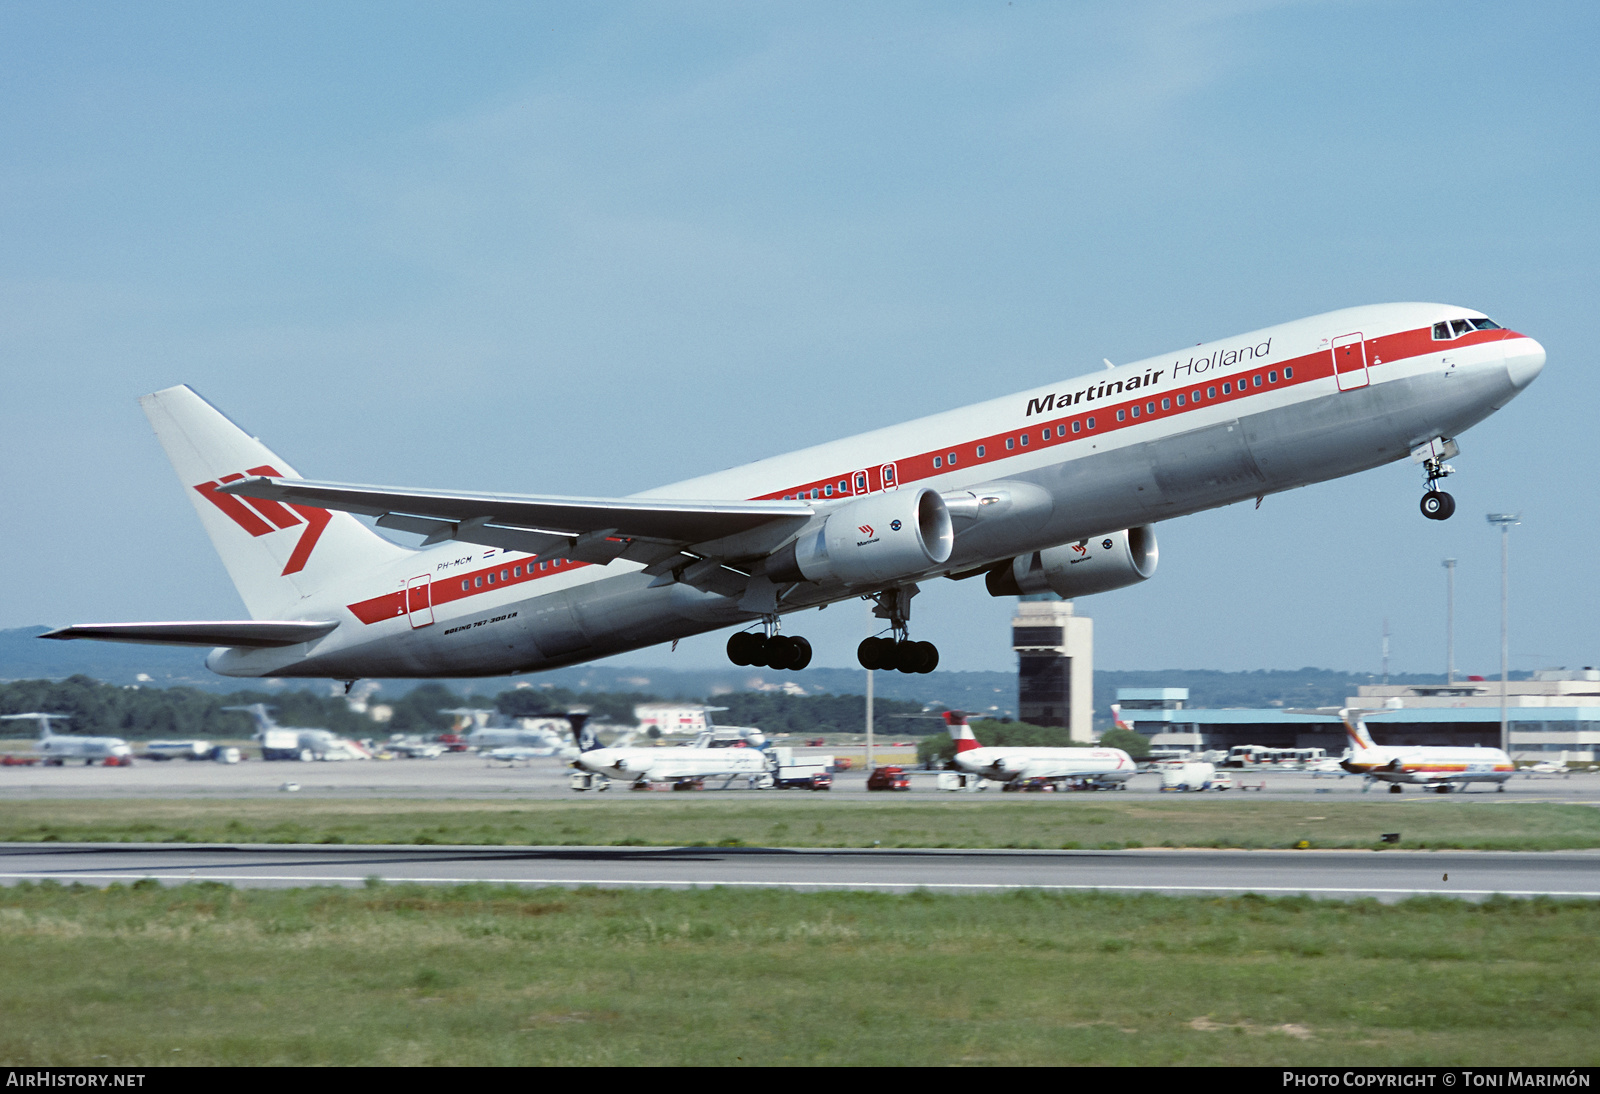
(1450, 621)
(869, 724)
(1505, 522)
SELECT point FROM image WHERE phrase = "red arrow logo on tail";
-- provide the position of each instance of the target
(261, 517)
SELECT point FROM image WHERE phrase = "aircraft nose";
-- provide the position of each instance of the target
(1524, 361)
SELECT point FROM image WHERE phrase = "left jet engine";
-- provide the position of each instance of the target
(870, 541)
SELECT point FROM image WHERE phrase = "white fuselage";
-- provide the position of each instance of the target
(672, 763)
(1003, 764)
(1202, 427)
(67, 747)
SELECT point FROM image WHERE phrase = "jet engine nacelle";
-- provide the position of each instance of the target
(871, 540)
(1078, 569)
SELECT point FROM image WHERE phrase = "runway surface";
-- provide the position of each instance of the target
(1386, 875)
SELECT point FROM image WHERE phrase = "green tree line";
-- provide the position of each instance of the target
(139, 713)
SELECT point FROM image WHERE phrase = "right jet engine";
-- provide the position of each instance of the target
(1072, 570)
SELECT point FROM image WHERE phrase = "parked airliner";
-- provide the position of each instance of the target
(1095, 767)
(56, 748)
(1049, 490)
(1433, 767)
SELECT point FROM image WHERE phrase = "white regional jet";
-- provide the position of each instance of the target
(1433, 767)
(1096, 767)
(1053, 489)
(673, 764)
(57, 748)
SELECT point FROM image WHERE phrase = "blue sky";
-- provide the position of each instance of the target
(589, 249)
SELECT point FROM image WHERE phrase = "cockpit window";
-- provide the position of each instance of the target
(1455, 328)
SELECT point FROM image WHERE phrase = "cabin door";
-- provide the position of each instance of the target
(419, 601)
(1350, 361)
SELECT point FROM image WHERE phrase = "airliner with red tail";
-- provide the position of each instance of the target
(1050, 490)
(1099, 768)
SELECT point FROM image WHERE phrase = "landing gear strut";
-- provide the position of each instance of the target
(898, 651)
(1436, 504)
(787, 653)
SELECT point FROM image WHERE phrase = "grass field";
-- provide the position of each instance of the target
(814, 820)
(204, 974)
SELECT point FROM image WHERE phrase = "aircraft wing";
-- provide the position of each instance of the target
(255, 633)
(690, 538)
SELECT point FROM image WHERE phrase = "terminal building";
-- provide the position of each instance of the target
(1554, 712)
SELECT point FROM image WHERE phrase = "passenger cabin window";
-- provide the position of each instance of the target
(1024, 440)
(828, 490)
(937, 462)
(981, 451)
(1077, 427)
(1011, 442)
(1135, 410)
(951, 459)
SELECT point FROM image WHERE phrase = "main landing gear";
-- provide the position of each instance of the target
(1436, 504)
(778, 651)
(898, 652)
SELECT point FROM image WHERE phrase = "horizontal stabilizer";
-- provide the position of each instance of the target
(251, 633)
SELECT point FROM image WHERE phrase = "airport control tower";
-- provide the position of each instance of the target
(1055, 665)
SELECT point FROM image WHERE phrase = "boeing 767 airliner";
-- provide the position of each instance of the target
(1050, 490)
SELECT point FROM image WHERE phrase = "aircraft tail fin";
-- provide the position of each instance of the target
(960, 732)
(258, 715)
(275, 553)
(582, 734)
(1116, 718)
(1356, 729)
(44, 721)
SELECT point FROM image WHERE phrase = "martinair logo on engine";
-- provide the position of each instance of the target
(278, 516)
(866, 530)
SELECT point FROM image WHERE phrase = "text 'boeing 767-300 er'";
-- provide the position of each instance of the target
(1054, 489)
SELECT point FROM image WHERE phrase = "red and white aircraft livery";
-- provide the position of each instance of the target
(1053, 489)
(1097, 767)
(1433, 767)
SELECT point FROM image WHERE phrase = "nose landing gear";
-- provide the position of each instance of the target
(1436, 504)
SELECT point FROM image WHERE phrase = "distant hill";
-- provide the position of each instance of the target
(24, 657)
